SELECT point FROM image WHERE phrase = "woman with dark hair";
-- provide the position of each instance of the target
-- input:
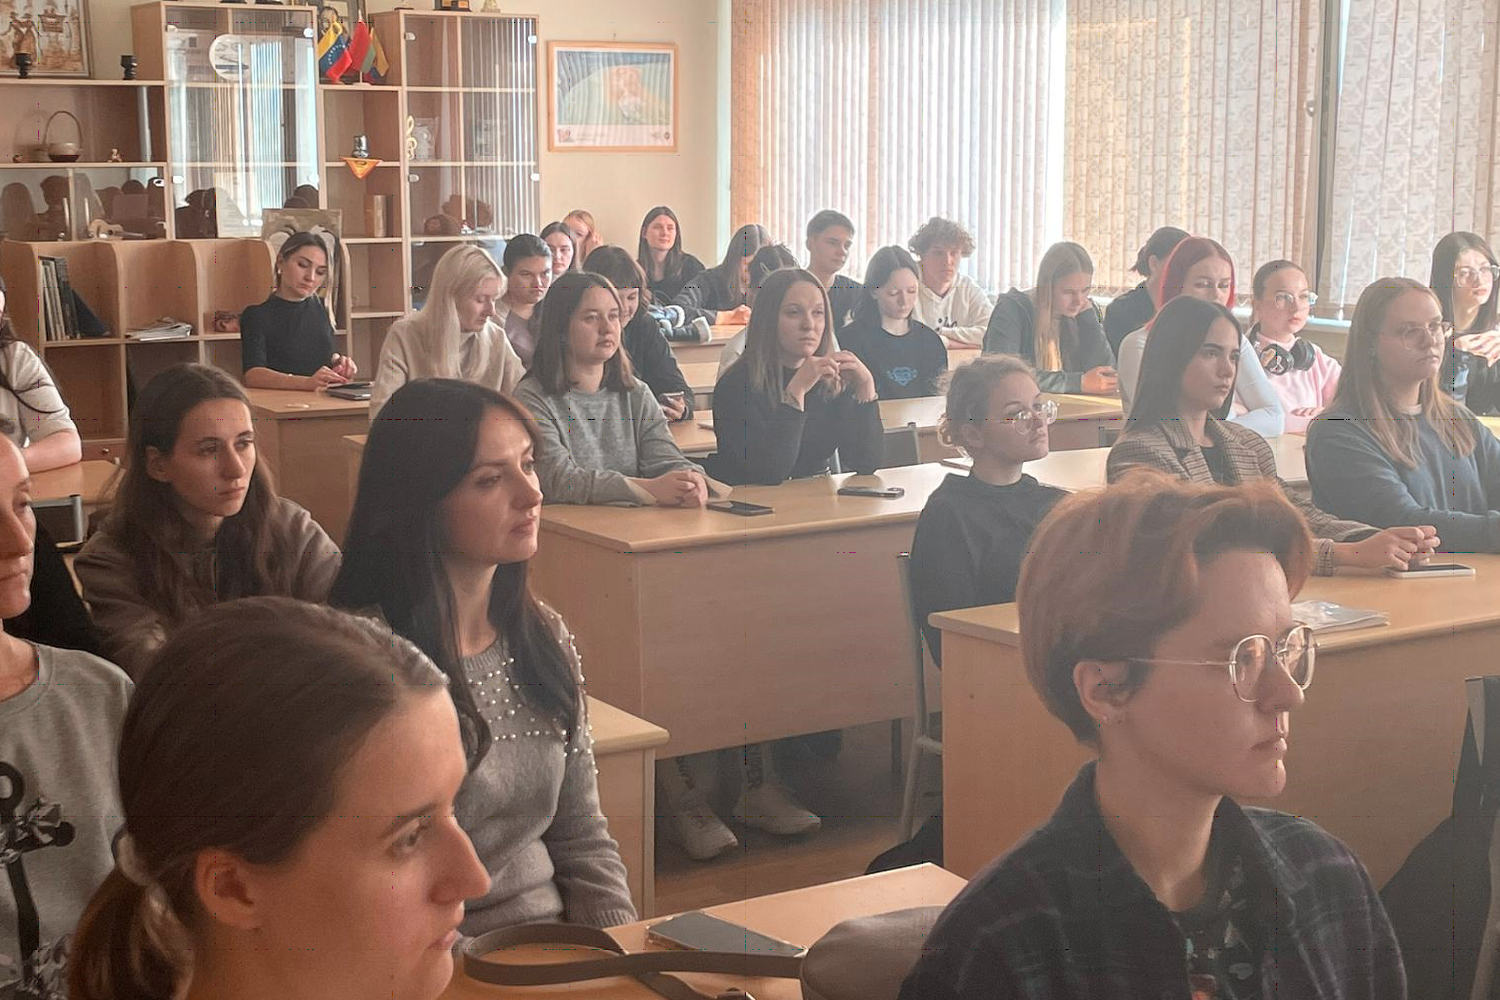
(1055, 326)
(1201, 268)
(790, 401)
(1189, 371)
(906, 357)
(287, 342)
(527, 266)
(36, 418)
(651, 356)
(564, 248)
(1464, 275)
(721, 293)
(659, 252)
(1177, 662)
(1303, 376)
(288, 775)
(1392, 447)
(195, 520)
(603, 436)
(444, 524)
(1134, 309)
(766, 262)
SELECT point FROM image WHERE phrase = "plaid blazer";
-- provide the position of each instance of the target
(1168, 446)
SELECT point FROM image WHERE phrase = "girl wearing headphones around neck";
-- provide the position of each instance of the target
(1303, 376)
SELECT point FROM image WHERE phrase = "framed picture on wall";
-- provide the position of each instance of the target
(611, 97)
(54, 33)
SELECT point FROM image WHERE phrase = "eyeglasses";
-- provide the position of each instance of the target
(1043, 414)
(1476, 275)
(1289, 302)
(1415, 336)
(1247, 664)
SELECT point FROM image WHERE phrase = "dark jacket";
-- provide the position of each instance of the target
(652, 359)
(1012, 330)
(707, 295)
(664, 290)
(1064, 916)
(843, 296)
(767, 440)
(1126, 314)
(1471, 380)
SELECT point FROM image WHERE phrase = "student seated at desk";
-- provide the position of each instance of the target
(564, 249)
(60, 717)
(790, 401)
(527, 266)
(1303, 376)
(830, 235)
(585, 232)
(659, 251)
(1465, 274)
(39, 422)
(953, 304)
(651, 357)
(719, 294)
(1133, 310)
(1174, 657)
(1202, 269)
(195, 520)
(974, 530)
(906, 357)
(443, 526)
(1189, 370)
(287, 342)
(1055, 327)
(603, 436)
(288, 775)
(454, 335)
(766, 262)
(1393, 448)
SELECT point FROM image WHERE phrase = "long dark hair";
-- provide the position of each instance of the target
(744, 243)
(883, 263)
(1179, 330)
(234, 739)
(420, 448)
(1444, 260)
(671, 265)
(557, 227)
(146, 522)
(549, 363)
(762, 359)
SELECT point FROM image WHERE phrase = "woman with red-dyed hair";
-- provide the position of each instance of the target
(1202, 268)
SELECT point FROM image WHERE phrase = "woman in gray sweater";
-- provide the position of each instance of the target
(603, 436)
(444, 523)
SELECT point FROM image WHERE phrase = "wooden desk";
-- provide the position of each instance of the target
(1084, 469)
(701, 376)
(695, 436)
(297, 435)
(624, 749)
(729, 630)
(90, 480)
(800, 916)
(688, 352)
(1373, 750)
(961, 354)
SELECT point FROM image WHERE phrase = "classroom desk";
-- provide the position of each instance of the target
(625, 751)
(962, 354)
(90, 480)
(800, 917)
(297, 436)
(1372, 752)
(730, 630)
(701, 376)
(690, 352)
(695, 436)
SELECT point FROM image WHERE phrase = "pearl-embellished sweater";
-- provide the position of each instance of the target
(531, 808)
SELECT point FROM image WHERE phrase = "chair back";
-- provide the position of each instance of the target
(902, 447)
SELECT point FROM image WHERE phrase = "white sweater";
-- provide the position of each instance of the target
(485, 358)
(962, 314)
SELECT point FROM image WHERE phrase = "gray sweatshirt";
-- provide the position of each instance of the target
(59, 811)
(532, 810)
(593, 443)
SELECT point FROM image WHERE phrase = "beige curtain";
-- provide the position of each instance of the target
(895, 110)
(1414, 143)
(1191, 113)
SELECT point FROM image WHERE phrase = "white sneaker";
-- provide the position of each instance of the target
(694, 827)
(700, 327)
(771, 808)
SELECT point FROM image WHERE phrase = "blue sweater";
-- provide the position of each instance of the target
(1459, 494)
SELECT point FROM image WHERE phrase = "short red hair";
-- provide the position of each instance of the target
(1187, 253)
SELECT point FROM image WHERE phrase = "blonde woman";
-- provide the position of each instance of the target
(1393, 448)
(580, 223)
(1054, 326)
(454, 334)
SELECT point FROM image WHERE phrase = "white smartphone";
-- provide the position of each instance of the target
(1429, 570)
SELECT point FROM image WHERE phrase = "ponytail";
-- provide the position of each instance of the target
(129, 945)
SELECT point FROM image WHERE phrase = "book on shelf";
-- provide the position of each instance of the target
(1324, 617)
(165, 328)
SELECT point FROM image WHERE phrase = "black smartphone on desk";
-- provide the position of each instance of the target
(878, 492)
(739, 507)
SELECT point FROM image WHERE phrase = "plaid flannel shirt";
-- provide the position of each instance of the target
(1064, 915)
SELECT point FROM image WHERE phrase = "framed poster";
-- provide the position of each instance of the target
(53, 32)
(611, 97)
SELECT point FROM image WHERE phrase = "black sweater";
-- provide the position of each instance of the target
(707, 295)
(284, 336)
(664, 290)
(969, 544)
(652, 359)
(1127, 314)
(1012, 330)
(56, 615)
(843, 296)
(904, 367)
(767, 440)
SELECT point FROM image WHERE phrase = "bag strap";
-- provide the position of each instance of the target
(648, 967)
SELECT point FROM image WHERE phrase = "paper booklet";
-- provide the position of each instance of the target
(1326, 616)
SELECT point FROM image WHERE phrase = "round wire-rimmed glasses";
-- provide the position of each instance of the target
(1043, 414)
(1295, 654)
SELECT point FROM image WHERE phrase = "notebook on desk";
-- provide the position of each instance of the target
(351, 390)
